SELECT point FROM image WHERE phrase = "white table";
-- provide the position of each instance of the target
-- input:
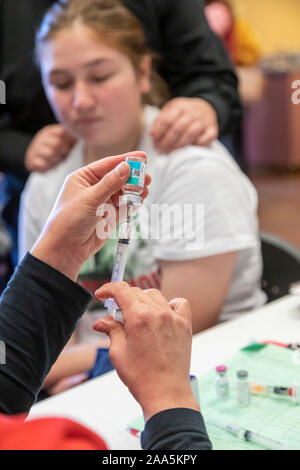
(105, 405)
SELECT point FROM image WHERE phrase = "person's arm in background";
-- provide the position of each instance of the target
(22, 153)
(71, 367)
(207, 286)
(26, 111)
(195, 65)
(30, 140)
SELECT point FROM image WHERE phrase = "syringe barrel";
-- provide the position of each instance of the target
(118, 270)
(111, 304)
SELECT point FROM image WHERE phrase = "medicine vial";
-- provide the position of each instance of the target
(221, 383)
(195, 388)
(136, 181)
(243, 388)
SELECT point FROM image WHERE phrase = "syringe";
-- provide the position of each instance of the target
(120, 259)
(250, 436)
(274, 391)
(132, 200)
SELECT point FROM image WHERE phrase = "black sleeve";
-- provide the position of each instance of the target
(38, 313)
(195, 62)
(26, 112)
(176, 429)
(13, 146)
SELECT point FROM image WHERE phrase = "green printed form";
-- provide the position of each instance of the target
(274, 418)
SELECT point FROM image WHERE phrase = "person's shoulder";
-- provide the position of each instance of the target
(209, 163)
(210, 159)
(212, 162)
(209, 170)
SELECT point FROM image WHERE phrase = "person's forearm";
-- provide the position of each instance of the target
(196, 63)
(225, 100)
(38, 313)
(75, 359)
(176, 429)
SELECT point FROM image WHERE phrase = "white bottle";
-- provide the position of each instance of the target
(243, 388)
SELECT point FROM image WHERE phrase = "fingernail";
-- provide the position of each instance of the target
(122, 169)
(98, 293)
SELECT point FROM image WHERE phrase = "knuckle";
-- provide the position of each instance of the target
(136, 289)
(165, 314)
(108, 181)
(180, 126)
(142, 319)
(192, 133)
(185, 303)
(151, 291)
(122, 285)
(166, 120)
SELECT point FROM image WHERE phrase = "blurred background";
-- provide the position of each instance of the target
(263, 39)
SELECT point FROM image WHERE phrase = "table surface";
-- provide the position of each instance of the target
(105, 405)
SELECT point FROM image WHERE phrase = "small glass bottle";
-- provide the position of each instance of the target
(136, 181)
(221, 383)
(243, 388)
(195, 388)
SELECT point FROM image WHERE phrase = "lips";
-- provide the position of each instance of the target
(89, 120)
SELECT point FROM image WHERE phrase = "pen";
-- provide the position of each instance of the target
(283, 345)
(134, 432)
(250, 436)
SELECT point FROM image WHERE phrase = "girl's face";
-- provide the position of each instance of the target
(93, 89)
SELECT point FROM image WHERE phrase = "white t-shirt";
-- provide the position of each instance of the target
(209, 197)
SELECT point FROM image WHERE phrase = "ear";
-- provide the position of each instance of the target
(145, 74)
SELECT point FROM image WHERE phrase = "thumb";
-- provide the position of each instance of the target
(110, 327)
(115, 331)
(182, 307)
(112, 182)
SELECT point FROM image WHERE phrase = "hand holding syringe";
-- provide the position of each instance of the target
(132, 190)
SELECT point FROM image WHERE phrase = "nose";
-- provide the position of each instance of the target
(83, 98)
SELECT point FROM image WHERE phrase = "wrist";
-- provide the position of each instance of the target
(48, 252)
(164, 398)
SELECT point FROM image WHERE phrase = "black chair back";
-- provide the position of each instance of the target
(281, 266)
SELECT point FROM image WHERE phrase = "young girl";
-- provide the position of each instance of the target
(97, 75)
